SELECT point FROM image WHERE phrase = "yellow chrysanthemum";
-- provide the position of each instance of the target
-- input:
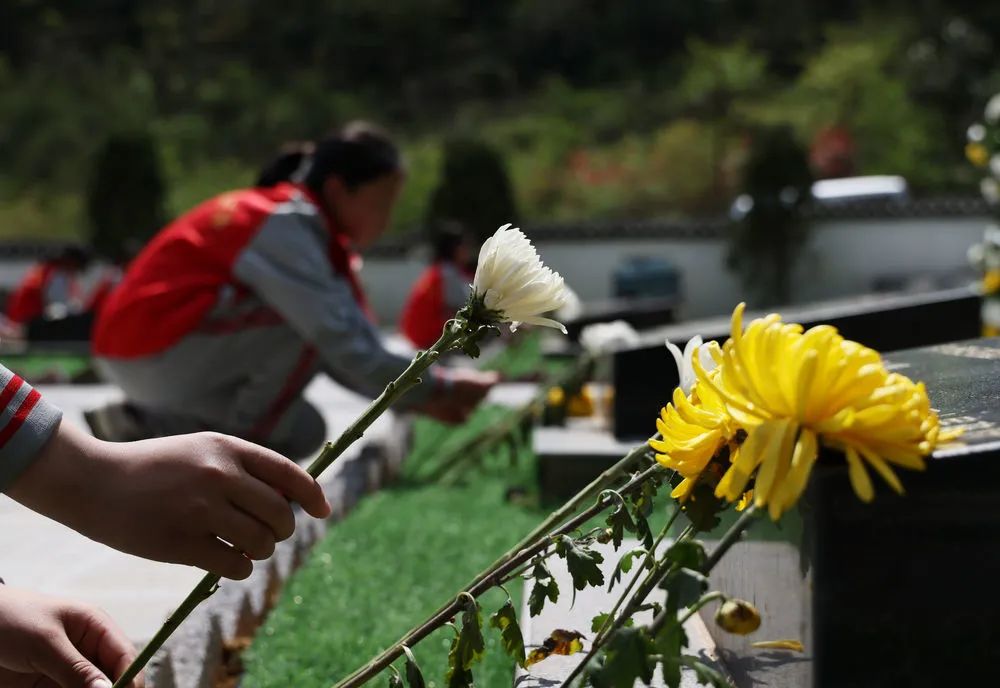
(793, 391)
(693, 430)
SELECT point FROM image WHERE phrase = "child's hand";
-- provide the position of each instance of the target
(172, 499)
(47, 642)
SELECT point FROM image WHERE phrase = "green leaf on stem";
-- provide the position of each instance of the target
(705, 674)
(583, 563)
(505, 620)
(619, 521)
(669, 641)
(687, 553)
(643, 501)
(544, 586)
(702, 508)
(627, 660)
(466, 649)
(597, 623)
(625, 564)
(643, 530)
(684, 587)
(395, 680)
(414, 677)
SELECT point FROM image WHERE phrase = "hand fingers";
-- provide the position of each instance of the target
(286, 477)
(70, 669)
(11, 679)
(262, 502)
(94, 633)
(217, 557)
(245, 532)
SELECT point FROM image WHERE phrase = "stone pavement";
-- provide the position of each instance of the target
(48, 557)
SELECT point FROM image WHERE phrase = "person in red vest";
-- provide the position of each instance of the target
(442, 288)
(225, 316)
(50, 284)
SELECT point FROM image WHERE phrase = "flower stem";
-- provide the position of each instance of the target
(652, 579)
(493, 576)
(647, 560)
(730, 538)
(410, 377)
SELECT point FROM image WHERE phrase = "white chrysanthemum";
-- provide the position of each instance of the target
(992, 113)
(602, 338)
(512, 280)
(685, 364)
(990, 188)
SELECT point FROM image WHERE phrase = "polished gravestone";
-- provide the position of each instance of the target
(645, 375)
(639, 312)
(899, 592)
(570, 456)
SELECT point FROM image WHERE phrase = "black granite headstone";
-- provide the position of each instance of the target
(639, 312)
(899, 592)
(645, 375)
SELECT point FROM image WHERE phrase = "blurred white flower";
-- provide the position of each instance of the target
(992, 113)
(995, 165)
(572, 308)
(990, 189)
(976, 133)
(685, 368)
(602, 338)
(512, 281)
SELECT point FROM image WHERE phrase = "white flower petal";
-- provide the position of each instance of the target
(512, 280)
(992, 113)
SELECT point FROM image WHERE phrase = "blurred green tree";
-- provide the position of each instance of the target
(126, 195)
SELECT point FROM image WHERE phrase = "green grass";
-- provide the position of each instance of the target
(402, 553)
(38, 368)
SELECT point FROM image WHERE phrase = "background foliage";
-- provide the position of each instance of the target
(599, 108)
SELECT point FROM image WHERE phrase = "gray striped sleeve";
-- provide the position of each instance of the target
(27, 422)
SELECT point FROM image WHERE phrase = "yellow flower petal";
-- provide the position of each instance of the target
(860, 481)
(792, 645)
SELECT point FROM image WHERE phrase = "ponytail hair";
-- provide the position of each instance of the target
(289, 165)
(357, 154)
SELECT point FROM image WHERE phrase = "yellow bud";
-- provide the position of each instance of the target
(556, 396)
(737, 616)
(977, 154)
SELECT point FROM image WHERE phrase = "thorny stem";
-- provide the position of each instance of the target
(495, 574)
(452, 334)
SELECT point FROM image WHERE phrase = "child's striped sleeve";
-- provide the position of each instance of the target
(26, 423)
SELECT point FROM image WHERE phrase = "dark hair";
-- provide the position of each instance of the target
(446, 237)
(287, 162)
(358, 153)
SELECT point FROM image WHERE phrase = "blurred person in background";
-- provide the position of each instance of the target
(52, 287)
(226, 315)
(443, 287)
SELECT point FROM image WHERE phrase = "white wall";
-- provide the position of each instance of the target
(843, 257)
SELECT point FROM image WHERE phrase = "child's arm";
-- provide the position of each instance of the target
(171, 498)
(52, 642)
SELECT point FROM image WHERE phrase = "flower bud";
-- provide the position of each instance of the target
(737, 616)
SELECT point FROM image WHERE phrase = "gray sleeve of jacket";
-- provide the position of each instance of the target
(27, 422)
(287, 266)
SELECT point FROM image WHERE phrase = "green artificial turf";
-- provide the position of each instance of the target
(402, 553)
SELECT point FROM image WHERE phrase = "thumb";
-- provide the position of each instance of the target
(70, 669)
